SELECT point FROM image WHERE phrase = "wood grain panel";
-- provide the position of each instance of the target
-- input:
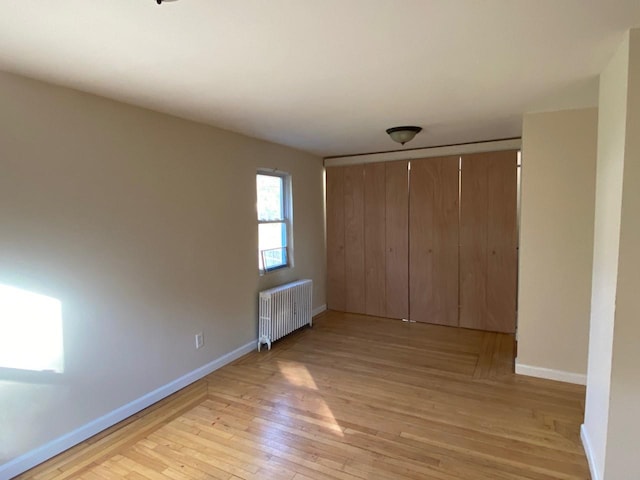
(397, 239)
(336, 291)
(488, 244)
(354, 238)
(433, 241)
(473, 243)
(374, 239)
(502, 243)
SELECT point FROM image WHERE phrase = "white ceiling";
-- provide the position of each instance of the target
(326, 76)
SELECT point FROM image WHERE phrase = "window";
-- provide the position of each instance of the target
(274, 220)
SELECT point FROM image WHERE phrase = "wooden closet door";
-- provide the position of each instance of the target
(433, 240)
(354, 239)
(397, 239)
(336, 294)
(488, 241)
(374, 239)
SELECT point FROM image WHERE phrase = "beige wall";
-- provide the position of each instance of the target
(556, 242)
(612, 417)
(623, 452)
(611, 139)
(144, 227)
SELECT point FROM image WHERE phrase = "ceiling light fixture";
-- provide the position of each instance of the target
(403, 134)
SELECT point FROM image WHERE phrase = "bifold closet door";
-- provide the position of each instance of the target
(345, 239)
(354, 239)
(368, 239)
(488, 241)
(386, 239)
(374, 239)
(336, 294)
(397, 239)
(433, 240)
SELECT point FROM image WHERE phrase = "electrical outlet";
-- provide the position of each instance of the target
(199, 340)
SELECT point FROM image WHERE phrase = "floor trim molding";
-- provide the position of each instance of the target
(318, 310)
(550, 374)
(40, 454)
(584, 436)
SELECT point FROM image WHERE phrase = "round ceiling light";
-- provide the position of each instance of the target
(403, 135)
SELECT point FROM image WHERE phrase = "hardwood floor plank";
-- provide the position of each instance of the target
(352, 398)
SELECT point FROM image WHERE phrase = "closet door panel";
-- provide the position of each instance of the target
(336, 294)
(433, 240)
(502, 242)
(488, 241)
(473, 243)
(354, 238)
(397, 239)
(374, 239)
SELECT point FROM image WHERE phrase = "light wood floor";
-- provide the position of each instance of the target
(352, 398)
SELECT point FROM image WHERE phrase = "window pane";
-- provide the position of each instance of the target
(270, 197)
(274, 258)
(272, 237)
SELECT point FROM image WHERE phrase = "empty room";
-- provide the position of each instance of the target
(294, 240)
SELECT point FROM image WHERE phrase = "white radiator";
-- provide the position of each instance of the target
(284, 309)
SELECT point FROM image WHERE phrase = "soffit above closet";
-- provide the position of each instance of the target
(328, 76)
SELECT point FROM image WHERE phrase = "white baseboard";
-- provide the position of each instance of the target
(318, 310)
(584, 436)
(551, 374)
(38, 455)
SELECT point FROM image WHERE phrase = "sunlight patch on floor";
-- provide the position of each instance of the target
(298, 375)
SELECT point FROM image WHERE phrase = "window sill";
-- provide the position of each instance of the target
(274, 270)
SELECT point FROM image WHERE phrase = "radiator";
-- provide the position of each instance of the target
(284, 309)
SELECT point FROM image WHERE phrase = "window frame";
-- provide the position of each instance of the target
(287, 220)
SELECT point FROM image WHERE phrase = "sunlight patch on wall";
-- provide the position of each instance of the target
(30, 331)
